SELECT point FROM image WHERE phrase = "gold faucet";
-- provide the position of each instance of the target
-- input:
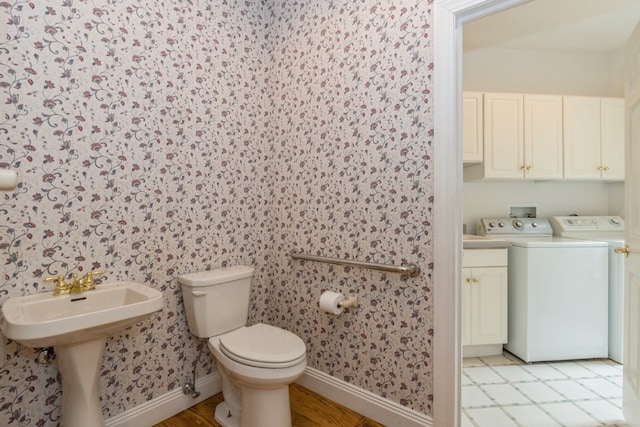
(77, 285)
(89, 283)
(62, 288)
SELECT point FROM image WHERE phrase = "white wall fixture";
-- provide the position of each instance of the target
(8, 180)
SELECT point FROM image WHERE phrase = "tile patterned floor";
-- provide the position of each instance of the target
(503, 391)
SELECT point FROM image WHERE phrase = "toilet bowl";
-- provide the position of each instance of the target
(264, 389)
(256, 363)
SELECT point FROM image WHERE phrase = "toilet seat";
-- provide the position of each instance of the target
(263, 346)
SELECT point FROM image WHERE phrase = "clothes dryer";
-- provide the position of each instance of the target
(608, 229)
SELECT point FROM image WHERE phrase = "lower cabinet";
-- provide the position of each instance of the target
(484, 301)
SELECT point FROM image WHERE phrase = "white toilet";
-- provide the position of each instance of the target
(257, 363)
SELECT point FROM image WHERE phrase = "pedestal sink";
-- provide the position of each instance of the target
(77, 326)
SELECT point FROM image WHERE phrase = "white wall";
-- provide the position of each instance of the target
(494, 199)
(561, 73)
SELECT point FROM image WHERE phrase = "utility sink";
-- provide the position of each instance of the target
(77, 326)
(44, 320)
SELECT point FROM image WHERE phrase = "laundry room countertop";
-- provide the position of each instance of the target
(470, 241)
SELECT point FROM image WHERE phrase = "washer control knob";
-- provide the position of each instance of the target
(534, 224)
(501, 224)
(517, 224)
(492, 224)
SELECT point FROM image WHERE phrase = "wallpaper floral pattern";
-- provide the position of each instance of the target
(160, 137)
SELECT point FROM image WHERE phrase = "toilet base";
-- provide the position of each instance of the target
(266, 407)
(225, 417)
(261, 407)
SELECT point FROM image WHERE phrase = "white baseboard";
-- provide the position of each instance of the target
(362, 401)
(167, 405)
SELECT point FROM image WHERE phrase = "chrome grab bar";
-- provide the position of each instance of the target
(411, 269)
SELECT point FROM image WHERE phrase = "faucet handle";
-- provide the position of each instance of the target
(62, 288)
(89, 283)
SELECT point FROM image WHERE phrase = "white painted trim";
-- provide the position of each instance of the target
(449, 16)
(362, 401)
(167, 405)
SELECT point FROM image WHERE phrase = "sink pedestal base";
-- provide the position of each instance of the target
(79, 366)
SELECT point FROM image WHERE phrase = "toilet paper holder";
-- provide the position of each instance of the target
(349, 302)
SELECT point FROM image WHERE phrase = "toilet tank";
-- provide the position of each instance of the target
(216, 301)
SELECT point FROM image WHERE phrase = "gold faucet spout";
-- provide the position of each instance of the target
(77, 285)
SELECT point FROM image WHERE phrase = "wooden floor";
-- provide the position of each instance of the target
(308, 409)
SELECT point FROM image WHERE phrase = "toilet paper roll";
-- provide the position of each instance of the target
(330, 302)
(8, 180)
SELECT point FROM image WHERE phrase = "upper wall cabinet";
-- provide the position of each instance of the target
(544, 137)
(522, 137)
(472, 126)
(593, 138)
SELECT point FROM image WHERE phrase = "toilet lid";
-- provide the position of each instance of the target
(263, 346)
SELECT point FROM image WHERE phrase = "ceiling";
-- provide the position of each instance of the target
(589, 26)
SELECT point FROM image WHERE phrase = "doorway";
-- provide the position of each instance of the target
(450, 15)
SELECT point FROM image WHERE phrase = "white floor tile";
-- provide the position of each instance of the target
(504, 391)
(514, 373)
(573, 370)
(569, 415)
(603, 411)
(538, 392)
(571, 390)
(504, 394)
(465, 421)
(615, 380)
(473, 397)
(603, 368)
(490, 417)
(499, 360)
(464, 380)
(617, 402)
(530, 416)
(472, 361)
(602, 387)
(544, 372)
(483, 375)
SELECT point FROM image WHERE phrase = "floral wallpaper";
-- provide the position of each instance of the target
(159, 137)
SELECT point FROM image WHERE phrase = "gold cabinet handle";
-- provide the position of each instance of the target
(472, 280)
(626, 250)
(522, 167)
(529, 168)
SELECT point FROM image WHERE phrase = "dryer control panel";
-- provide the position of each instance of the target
(514, 227)
(580, 224)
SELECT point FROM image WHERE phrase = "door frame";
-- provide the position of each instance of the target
(449, 16)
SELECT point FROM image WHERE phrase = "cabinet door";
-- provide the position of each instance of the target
(612, 138)
(488, 305)
(472, 127)
(542, 137)
(503, 135)
(581, 137)
(466, 306)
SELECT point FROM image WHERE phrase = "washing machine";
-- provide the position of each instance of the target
(557, 291)
(608, 229)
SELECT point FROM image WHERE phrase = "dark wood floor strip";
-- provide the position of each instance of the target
(308, 409)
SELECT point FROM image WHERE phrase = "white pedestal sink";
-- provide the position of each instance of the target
(77, 327)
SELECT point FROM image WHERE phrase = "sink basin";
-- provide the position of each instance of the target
(44, 320)
(77, 327)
